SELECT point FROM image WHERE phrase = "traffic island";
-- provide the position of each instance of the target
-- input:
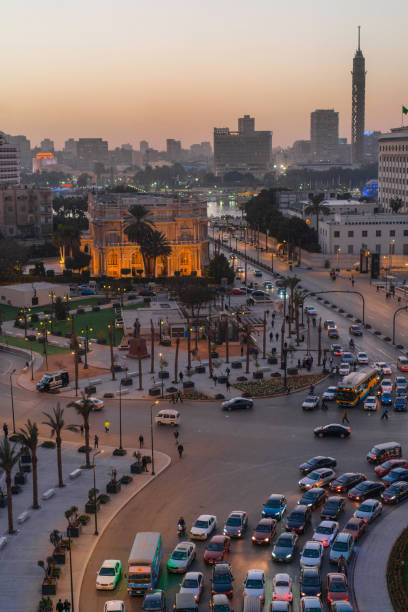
(397, 573)
(275, 386)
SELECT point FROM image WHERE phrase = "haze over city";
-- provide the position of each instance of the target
(129, 70)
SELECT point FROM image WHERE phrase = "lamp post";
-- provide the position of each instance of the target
(391, 248)
(44, 333)
(120, 414)
(151, 432)
(94, 491)
(272, 259)
(245, 254)
(22, 316)
(161, 378)
(86, 334)
(12, 400)
(31, 358)
(70, 573)
(52, 296)
(338, 256)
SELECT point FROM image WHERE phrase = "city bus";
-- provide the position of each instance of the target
(356, 386)
(144, 562)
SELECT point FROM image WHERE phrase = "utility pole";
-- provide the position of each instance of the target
(111, 350)
(226, 339)
(176, 361)
(152, 346)
(264, 337)
(319, 346)
(188, 343)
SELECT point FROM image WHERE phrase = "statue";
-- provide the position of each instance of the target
(136, 329)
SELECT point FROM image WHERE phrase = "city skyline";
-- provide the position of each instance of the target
(94, 71)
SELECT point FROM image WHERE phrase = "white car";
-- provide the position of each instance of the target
(109, 575)
(329, 394)
(282, 588)
(386, 385)
(193, 582)
(368, 510)
(383, 368)
(254, 585)
(114, 605)
(311, 311)
(312, 554)
(342, 546)
(370, 403)
(311, 402)
(203, 527)
(344, 369)
(326, 532)
(98, 404)
(182, 557)
(362, 358)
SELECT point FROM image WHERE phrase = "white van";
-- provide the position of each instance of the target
(168, 416)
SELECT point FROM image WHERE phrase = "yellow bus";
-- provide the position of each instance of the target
(355, 387)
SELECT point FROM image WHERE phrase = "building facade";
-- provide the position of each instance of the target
(393, 167)
(182, 221)
(358, 105)
(324, 135)
(9, 163)
(26, 213)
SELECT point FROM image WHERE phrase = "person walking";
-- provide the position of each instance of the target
(144, 464)
(311, 389)
(352, 282)
(384, 414)
(345, 418)
(5, 429)
(179, 396)
(59, 606)
(270, 336)
(180, 449)
(215, 378)
(67, 606)
(96, 441)
(107, 426)
(81, 429)
(242, 350)
(141, 441)
(176, 435)
(228, 371)
(276, 336)
(181, 376)
(342, 565)
(273, 323)
(228, 385)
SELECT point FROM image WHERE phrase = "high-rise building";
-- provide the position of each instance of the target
(173, 148)
(23, 147)
(358, 106)
(91, 150)
(324, 135)
(47, 145)
(144, 145)
(393, 168)
(25, 213)
(246, 150)
(9, 163)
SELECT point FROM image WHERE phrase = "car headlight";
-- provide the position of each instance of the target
(274, 555)
(288, 556)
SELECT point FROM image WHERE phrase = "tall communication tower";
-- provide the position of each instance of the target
(358, 106)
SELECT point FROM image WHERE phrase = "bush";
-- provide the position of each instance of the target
(84, 519)
(48, 444)
(327, 264)
(126, 479)
(103, 498)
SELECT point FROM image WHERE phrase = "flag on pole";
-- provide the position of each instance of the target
(404, 110)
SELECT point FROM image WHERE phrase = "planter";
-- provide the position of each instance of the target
(49, 587)
(154, 391)
(276, 375)
(82, 449)
(222, 379)
(90, 389)
(74, 531)
(219, 396)
(126, 479)
(236, 365)
(165, 342)
(257, 375)
(56, 572)
(26, 468)
(103, 498)
(16, 489)
(292, 371)
(113, 487)
(59, 556)
(214, 355)
(147, 459)
(117, 368)
(20, 479)
(200, 369)
(119, 452)
(91, 508)
(108, 395)
(25, 458)
(242, 379)
(135, 468)
(188, 384)
(272, 360)
(171, 389)
(164, 374)
(126, 382)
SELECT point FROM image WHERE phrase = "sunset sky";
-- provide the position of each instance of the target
(128, 70)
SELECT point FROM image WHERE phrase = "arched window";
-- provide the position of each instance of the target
(184, 258)
(112, 259)
(136, 258)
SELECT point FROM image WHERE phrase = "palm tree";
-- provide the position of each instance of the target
(9, 457)
(56, 423)
(317, 208)
(298, 297)
(153, 246)
(83, 407)
(28, 438)
(68, 239)
(291, 283)
(139, 227)
(396, 204)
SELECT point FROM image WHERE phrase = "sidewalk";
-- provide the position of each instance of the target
(31, 542)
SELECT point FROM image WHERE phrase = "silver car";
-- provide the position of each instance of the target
(325, 532)
(312, 554)
(317, 478)
(342, 546)
(369, 510)
(193, 582)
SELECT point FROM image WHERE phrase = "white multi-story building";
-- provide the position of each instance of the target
(9, 163)
(393, 167)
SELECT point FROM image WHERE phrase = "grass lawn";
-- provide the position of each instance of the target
(8, 313)
(98, 321)
(35, 346)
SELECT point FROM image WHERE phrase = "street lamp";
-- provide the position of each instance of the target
(99, 452)
(120, 415)
(86, 334)
(70, 572)
(31, 358)
(44, 333)
(23, 312)
(12, 400)
(391, 248)
(151, 432)
(52, 295)
(161, 372)
(338, 256)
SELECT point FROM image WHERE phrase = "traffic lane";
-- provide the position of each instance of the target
(220, 473)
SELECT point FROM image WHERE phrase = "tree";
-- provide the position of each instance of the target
(60, 309)
(194, 297)
(291, 283)
(83, 179)
(396, 204)
(9, 457)
(83, 408)
(78, 261)
(56, 423)
(67, 238)
(153, 246)
(28, 438)
(13, 258)
(139, 228)
(317, 208)
(219, 268)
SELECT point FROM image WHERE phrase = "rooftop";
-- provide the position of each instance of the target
(31, 286)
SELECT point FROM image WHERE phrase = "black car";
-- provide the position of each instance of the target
(333, 430)
(343, 483)
(298, 519)
(313, 498)
(238, 403)
(317, 462)
(366, 489)
(222, 579)
(332, 508)
(154, 602)
(395, 493)
(310, 582)
(355, 330)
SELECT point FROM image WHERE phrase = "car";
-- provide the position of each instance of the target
(246, 289)
(317, 478)
(341, 606)
(355, 330)
(203, 527)
(298, 519)
(402, 363)
(254, 584)
(355, 527)
(236, 524)
(237, 291)
(332, 430)
(333, 332)
(88, 291)
(326, 532)
(216, 549)
(386, 385)
(238, 403)
(329, 324)
(97, 404)
(343, 483)
(348, 358)
(193, 582)
(222, 579)
(401, 381)
(317, 462)
(109, 575)
(395, 475)
(344, 369)
(313, 498)
(395, 493)
(342, 546)
(329, 394)
(154, 601)
(264, 531)
(387, 466)
(337, 350)
(114, 605)
(274, 507)
(311, 402)
(362, 358)
(146, 293)
(332, 508)
(282, 588)
(285, 547)
(400, 404)
(401, 391)
(336, 588)
(181, 558)
(311, 604)
(312, 554)
(370, 403)
(219, 603)
(386, 369)
(280, 606)
(310, 582)
(386, 398)
(268, 284)
(368, 510)
(365, 489)
(311, 311)
(257, 272)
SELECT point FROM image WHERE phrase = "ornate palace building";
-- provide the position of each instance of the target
(182, 221)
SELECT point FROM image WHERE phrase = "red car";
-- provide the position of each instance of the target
(217, 548)
(355, 527)
(387, 466)
(264, 531)
(237, 292)
(337, 588)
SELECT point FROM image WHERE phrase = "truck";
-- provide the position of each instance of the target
(144, 562)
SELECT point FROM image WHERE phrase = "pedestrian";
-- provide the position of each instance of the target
(337, 370)
(179, 397)
(270, 336)
(107, 426)
(273, 323)
(215, 378)
(141, 441)
(176, 435)
(314, 322)
(144, 464)
(67, 606)
(174, 398)
(242, 350)
(81, 429)
(352, 282)
(384, 414)
(345, 418)
(228, 371)
(276, 336)
(228, 385)
(96, 441)
(331, 361)
(299, 365)
(181, 376)
(59, 606)
(5, 429)
(311, 389)
(180, 449)
(288, 390)
(341, 565)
